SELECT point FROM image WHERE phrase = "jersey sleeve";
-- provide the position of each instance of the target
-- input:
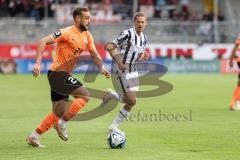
(121, 38)
(59, 36)
(91, 44)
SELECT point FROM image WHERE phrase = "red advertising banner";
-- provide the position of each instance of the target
(28, 51)
(23, 51)
(191, 51)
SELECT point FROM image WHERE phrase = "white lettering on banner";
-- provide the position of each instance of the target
(25, 51)
(171, 50)
(213, 51)
(15, 52)
(194, 51)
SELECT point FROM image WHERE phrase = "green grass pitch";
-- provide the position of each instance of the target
(212, 133)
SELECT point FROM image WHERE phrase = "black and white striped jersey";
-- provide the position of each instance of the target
(130, 45)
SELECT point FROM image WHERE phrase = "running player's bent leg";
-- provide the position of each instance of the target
(81, 95)
(59, 107)
(52, 117)
(47, 122)
(74, 108)
(130, 100)
(128, 86)
(81, 92)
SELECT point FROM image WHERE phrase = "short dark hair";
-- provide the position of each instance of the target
(78, 11)
(138, 14)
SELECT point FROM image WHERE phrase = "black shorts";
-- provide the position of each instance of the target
(62, 84)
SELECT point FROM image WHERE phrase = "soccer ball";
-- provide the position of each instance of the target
(116, 140)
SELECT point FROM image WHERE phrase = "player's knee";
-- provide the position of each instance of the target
(84, 95)
(60, 107)
(131, 102)
(86, 98)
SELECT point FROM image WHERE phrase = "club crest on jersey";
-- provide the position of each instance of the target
(56, 34)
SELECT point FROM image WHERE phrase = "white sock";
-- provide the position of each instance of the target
(122, 114)
(62, 123)
(35, 135)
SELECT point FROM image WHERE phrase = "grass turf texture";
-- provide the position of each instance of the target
(212, 133)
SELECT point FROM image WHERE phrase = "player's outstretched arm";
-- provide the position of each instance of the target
(98, 61)
(112, 50)
(40, 48)
(233, 55)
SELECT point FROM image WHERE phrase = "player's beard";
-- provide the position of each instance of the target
(82, 27)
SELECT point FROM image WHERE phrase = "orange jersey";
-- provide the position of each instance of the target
(70, 44)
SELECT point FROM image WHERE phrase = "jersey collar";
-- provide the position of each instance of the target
(135, 32)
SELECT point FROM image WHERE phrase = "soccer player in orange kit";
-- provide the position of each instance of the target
(71, 41)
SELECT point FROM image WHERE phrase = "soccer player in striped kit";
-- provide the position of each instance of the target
(126, 51)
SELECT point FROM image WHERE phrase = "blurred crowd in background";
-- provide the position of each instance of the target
(159, 9)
